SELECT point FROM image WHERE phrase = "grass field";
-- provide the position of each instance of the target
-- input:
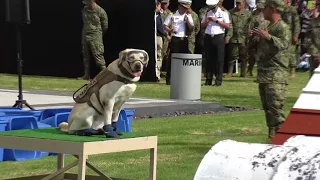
(183, 141)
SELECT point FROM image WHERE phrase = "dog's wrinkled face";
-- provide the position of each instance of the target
(134, 60)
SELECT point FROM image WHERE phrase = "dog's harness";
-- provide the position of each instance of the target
(93, 87)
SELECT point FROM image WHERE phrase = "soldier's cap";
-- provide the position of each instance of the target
(260, 5)
(185, 3)
(238, 1)
(277, 4)
(87, 1)
(212, 2)
(164, 1)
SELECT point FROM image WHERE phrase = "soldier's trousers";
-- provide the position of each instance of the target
(94, 48)
(252, 59)
(313, 65)
(177, 45)
(292, 58)
(215, 51)
(273, 97)
(239, 52)
(165, 52)
(159, 56)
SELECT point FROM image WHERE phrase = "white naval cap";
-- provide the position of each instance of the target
(185, 1)
(212, 2)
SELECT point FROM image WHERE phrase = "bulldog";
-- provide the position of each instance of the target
(97, 106)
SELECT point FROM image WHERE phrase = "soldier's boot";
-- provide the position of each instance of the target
(209, 77)
(271, 134)
(86, 76)
(292, 73)
(243, 68)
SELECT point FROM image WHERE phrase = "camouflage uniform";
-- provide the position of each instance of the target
(202, 13)
(312, 42)
(273, 70)
(165, 45)
(194, 32)
(95, 25)
(291, 17)
(237, 37)
(259, 22)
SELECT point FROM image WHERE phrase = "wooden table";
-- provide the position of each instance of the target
(81, 150)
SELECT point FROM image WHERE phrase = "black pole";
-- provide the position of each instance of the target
(20, 102)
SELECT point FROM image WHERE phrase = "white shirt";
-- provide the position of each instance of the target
(214, 28)
(178, 23)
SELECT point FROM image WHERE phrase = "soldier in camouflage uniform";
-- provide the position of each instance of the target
(273, 65)
(291, 17)
(312, 40)
(202, 13)
(193, 33)
(257, 21)
(165, 46)
(237, 36)
(95, 25)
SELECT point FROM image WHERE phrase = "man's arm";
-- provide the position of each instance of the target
(197, 23)
(104, 21)
(230, 28)
(167, 23)
(190, 22)
(281, 39)
(296, 23)
(160, 28)
(225, 23)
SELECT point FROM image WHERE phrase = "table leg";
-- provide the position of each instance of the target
(60, 165)
(82, 167)
(153, 164)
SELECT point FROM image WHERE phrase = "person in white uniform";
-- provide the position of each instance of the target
(178, 23)
(215, 22)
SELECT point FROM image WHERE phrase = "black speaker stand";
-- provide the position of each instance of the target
(20, 102)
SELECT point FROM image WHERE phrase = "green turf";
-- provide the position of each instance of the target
(182, 141)
(56, 134)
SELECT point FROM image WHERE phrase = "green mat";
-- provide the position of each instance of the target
(56, 134)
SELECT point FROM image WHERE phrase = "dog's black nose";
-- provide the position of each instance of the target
(138, 66)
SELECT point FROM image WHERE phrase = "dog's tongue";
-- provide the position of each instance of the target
(138, 74)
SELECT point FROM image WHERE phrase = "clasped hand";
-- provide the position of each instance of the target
(212, 19)
(259, 32)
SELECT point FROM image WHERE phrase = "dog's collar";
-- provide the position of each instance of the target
(125, 72)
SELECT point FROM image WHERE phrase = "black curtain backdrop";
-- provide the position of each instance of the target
(51, 44)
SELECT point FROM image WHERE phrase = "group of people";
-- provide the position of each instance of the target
(267, 36)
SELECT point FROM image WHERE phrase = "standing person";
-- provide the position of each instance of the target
(215, 22)
(178, 24)
(306, 17)
(273, 65)
(165, 12)
(95, 25)
(313, 39)
(257, 21)
(161, 35)
(238, 36)
(192, 33)
(291, 17)
(202, 13)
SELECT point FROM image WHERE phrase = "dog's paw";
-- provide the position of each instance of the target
(86, 132)
(110, 133)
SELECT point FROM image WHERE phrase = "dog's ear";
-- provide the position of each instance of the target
(146, 58)
(123, 55)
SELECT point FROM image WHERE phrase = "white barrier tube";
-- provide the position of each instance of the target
(231, 160)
